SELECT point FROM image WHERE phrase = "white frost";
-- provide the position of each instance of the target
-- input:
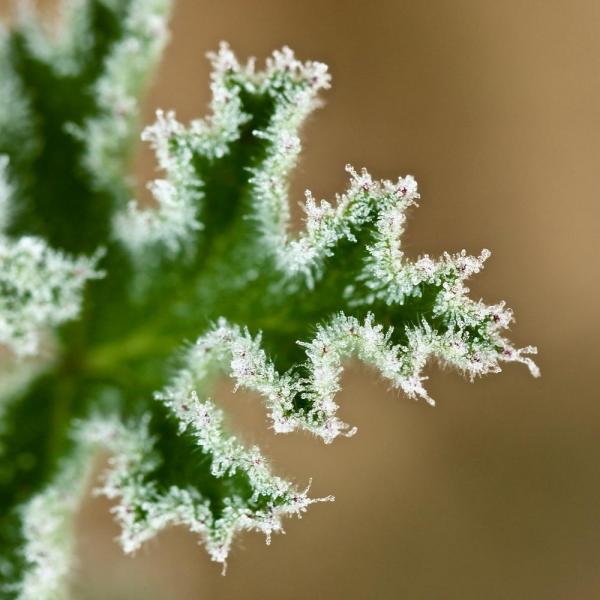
(39, 288)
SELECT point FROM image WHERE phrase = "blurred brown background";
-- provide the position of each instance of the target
(495, 108)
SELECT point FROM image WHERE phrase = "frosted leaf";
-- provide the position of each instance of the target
(339, 289)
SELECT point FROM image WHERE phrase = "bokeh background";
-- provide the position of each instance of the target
(495, 493)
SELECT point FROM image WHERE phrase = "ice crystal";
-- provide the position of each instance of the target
(39, 288)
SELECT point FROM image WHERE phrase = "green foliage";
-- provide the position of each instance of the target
(101, 366)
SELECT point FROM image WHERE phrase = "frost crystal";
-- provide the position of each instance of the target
(39, 288)
(143, 510)
(48, 531)
(172, 225)
(126, 70)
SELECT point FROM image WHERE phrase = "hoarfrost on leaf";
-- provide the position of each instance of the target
(216, 259)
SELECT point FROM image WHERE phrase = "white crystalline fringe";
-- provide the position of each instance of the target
(326, 224)
(386, 275)
(132, 459)
(39, 288)
(391, 278)
(290, 82)
(48, 520)
(174, 220)
(382, 203)
(126, 71)
(234, 351)
(56, 43)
